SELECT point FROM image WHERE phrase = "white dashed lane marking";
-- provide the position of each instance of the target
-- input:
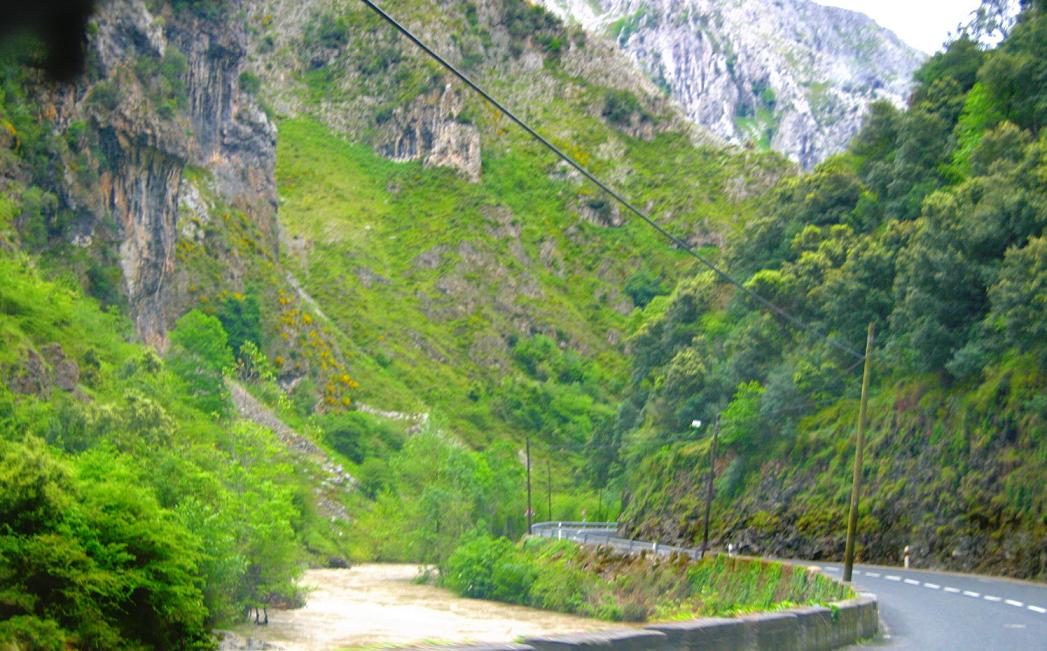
(948, 588)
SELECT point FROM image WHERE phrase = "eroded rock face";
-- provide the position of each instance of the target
(39, 372)
(232, 136)
(430, 129)
(148, 134)
(141, 192)
(792, 74)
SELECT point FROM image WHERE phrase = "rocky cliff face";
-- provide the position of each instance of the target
(162, 92)
(791, 75)
(341, 65)
(427, 130)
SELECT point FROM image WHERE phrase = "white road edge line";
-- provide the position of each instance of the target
(1012, 602)
(950, 589)
(874, 575)
(990, 597)
(932, 586)
(893, 577)
(971, 594)
(1037, 609)
(912, 582)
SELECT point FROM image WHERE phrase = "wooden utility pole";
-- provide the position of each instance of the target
(530, 513)
(709, 486)
(549, 488)
(856, 485)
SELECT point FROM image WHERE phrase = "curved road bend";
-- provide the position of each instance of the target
(941, 610)
(920, 610)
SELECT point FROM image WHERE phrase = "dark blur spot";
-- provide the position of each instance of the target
(61, 24)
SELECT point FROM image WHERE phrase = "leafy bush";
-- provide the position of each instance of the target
(359, 436)
(164, 80)
(642, 287)
(241, 317)
(482, 567)
(619, 107)
(200, 355)
(250, 83)
(106, 95)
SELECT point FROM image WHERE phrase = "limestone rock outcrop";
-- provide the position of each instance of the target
(162, 91)
(791, 75)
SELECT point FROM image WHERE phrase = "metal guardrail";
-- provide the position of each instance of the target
(611, 526)
(606, 533)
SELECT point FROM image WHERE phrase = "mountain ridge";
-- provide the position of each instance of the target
(793, 75)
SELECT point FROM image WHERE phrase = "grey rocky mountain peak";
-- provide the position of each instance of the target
(791, 75)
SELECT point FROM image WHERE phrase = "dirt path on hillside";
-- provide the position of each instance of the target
(378, 606)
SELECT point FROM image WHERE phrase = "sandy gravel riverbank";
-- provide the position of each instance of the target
(377, 605)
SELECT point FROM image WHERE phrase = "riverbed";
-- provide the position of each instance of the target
(379, 605)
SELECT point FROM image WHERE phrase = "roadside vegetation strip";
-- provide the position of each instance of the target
(606, 584)
(604, 533)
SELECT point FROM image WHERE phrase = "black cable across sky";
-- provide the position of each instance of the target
(723, 275)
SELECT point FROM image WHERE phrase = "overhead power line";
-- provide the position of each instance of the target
(723, 275)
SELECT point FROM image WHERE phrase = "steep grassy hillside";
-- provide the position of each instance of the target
(434, 282)
(444, 272)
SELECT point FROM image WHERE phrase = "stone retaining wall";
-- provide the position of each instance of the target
(812, 628)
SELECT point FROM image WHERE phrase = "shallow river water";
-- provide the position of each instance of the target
(377, 605)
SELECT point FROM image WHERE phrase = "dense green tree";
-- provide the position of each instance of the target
(89, 559)
(1019, 296)
(241, 317)
(1016, 73)
(741, 423)
(200, 355)
(959, 62)
(931, 227)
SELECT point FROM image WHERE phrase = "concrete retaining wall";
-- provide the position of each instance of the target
(798, 629)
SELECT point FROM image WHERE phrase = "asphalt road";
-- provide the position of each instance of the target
(919, 610)
(960, 612)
